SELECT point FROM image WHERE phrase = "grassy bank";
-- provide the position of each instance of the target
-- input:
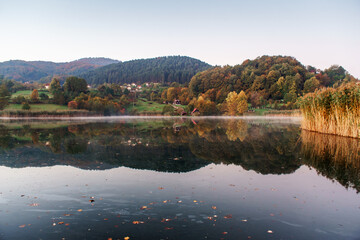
(27, 93)
(333, 111)
(37, 107)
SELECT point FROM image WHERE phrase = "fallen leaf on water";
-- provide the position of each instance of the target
(213, 207)
(231, 185)
(179, 201)
(165, 201)
(269, 231)
(79, 210)
(160, 188)
(105, 219)
(60, 223)
(137, 222)
(109, 238)
(225, 233)
(271, 214)
(54, 224)
(22, 226)
(67, 224)
(228, 216)
(169, 228)
(126, 238)
(165, 220)
(143, 207)
(244, 220)
(195, 201)
(91, 200)
(34, 205)
(67, 215)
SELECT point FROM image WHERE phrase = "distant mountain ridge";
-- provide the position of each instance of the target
(24, 71)
(160, 69)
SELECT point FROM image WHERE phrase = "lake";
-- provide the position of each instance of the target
(176, 178)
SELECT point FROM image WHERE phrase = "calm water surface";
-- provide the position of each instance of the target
(176, 179)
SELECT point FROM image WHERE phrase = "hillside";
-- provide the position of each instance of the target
(161, 69)
(24, 71)
(266, 77)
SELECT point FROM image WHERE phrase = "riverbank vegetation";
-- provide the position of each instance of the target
(178, 86)
(333, 111)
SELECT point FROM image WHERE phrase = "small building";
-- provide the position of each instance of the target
(177, 102)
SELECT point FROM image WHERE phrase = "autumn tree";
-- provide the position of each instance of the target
(236, 103)
(34, 97)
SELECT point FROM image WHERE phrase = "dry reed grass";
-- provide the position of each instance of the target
(332, 111)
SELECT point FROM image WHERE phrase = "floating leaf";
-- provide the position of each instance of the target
(126, 238)
(169, 228)
(79, 210)
(137, 222)
(160, 188)
(269, 231)
(213, 207)
(143, 207)
(60, 223)
(22, 226)
(228, 216)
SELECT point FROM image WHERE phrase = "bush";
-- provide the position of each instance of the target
(25, 106)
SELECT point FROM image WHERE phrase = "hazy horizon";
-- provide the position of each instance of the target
(320, 34)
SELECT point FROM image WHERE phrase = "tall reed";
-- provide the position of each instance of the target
(332, 111)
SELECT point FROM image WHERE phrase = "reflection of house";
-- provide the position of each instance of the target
(177, 102)
(195, 112)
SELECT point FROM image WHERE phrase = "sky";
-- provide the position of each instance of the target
(316, 32)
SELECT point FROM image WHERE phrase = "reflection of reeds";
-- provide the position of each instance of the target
(333, 111)
(333, 156)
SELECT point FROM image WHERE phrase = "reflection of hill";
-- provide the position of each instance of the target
(264, 150)
(335, 157)
(94, 146)
(154, 145)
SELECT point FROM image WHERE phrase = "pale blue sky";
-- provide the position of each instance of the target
(319, 33)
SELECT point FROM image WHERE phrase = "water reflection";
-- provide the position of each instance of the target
(335, 157)
(180, 145)
(180, 178)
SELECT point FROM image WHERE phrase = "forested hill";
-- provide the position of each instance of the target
(161, 69)
(24, 71)
(266, 77)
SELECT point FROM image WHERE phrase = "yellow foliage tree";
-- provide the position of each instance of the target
(236, 103)
(34, 96)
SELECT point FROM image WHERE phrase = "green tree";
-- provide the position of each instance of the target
(311, 84)
(73, 86)
(25, 106)
(4, 96)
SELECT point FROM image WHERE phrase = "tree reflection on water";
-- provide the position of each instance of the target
(180, 145)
